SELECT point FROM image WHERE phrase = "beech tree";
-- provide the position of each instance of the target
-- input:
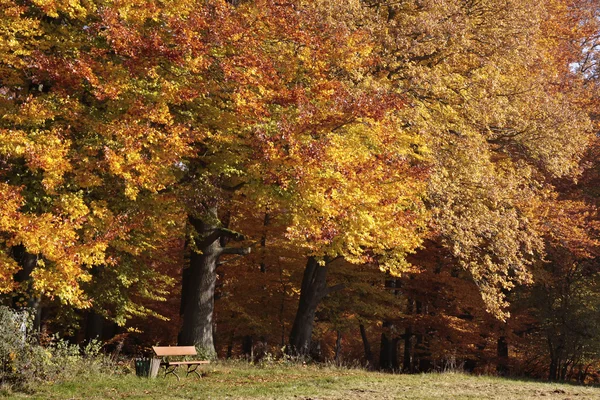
(369, 139)
(79, 199)
(491, 92)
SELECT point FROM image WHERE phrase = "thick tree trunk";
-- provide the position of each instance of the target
(94, 326)
(199, 302)
(198, 285)
(388, 355)
(199, 291)
(367, 346)
(314, 289)
(247, 345)
(25, 298)
(313, 283)
(502, 353)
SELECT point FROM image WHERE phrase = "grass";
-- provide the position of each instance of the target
(242, 381)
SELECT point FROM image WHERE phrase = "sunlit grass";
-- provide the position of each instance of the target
(273, 381)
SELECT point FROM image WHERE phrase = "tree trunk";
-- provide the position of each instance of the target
(199, 294)
(338, 348)
(282, 319)
(388, 353)
(407, 364)
(367, 346)
(25, 298)
(555, 352)
(422, 354)
(553, 371)
(583, 373)
(314, 289)
(313, 284)
(564, 369)
(247, 345)
(198, 284)
(502, 352)
(263, 243)
(94, 326)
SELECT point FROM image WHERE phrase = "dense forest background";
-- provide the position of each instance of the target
(407, 185)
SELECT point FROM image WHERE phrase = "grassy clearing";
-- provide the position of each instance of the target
(241, 381)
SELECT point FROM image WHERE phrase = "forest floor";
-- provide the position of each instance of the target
(241, 381)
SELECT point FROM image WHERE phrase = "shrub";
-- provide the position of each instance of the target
(24, 362)
(19, 360)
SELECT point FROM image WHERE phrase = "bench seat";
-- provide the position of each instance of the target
(171, 366)
(185, 362)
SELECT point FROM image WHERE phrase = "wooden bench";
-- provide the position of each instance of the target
(173, 351)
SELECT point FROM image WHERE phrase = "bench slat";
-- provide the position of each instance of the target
(187, 362)
(163, 351)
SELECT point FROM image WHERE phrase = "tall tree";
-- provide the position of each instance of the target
(492, 93)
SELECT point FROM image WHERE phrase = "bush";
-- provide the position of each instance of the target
(24, 362)
(20, 361)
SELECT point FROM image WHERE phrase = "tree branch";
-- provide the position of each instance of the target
(231, 234)
(332, 260)
(218, 233)
(208, 240)
(237, 250)
(239, 255)
(332, 289)
(233, 188)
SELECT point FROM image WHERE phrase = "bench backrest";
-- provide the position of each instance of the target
(163, 351)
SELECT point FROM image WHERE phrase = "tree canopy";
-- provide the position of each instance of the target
(298, 148)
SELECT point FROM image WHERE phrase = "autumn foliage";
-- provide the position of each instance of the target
(410, 184)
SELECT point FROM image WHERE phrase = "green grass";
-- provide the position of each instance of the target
(241, 381)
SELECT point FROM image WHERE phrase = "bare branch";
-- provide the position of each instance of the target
(237, 250)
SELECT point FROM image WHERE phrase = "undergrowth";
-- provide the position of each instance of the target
(28, 359)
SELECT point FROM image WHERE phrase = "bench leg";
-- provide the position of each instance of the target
(171, 370)
(193, 369)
